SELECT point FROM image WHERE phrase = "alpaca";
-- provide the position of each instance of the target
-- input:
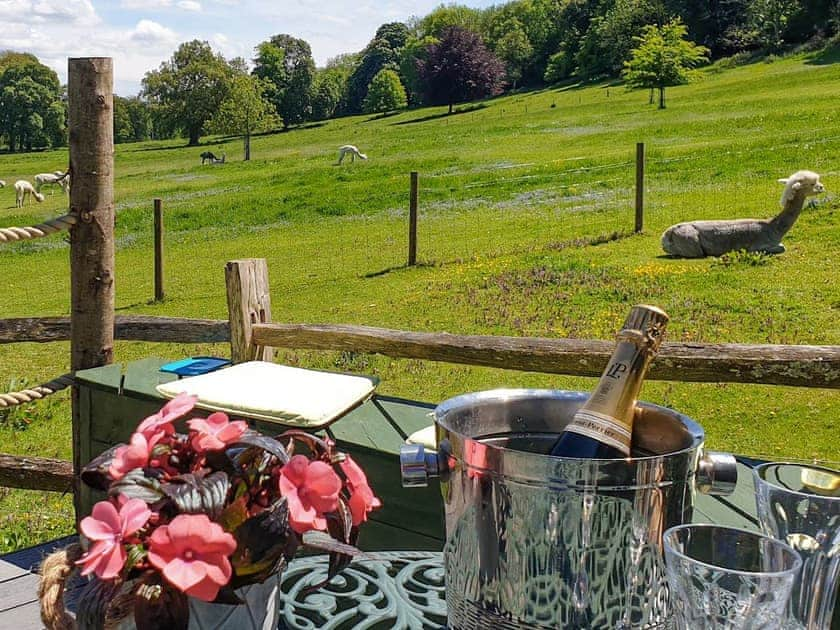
(24, 188)
(2, 183)
(209, 156)
(353, 151)
(55, 178)
(697, 239)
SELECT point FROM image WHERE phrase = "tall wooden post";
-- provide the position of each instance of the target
(249, 303)
(159, 294)
(640, 186)
(91, 104)
(414, 194)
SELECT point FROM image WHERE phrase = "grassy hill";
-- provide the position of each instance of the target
(526, 214)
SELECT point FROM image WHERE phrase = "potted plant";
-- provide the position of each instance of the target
(197, 524)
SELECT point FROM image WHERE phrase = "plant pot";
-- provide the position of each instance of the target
(260, 610)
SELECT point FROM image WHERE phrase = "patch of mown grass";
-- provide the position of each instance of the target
(526, 204)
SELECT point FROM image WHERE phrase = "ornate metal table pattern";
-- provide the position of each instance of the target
(400, 590)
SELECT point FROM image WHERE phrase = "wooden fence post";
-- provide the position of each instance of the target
(91, 103)
(159, 293)
(640, 186)
(249, 303)
(412, 218)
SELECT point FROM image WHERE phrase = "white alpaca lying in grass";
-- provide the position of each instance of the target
(353, 151)
(24, 188)
(58, 178)
(696, 239)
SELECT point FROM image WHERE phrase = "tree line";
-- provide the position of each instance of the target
(453, 54)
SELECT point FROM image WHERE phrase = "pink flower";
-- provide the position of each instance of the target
(192, 553)
(159, 424)
(108, 528)
(310, 489)
(129, 456)
(215, 432)
(362, 499)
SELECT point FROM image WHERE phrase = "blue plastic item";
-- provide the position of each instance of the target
(194, 366)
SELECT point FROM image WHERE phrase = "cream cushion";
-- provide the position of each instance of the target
(277, 393)
(426, 436)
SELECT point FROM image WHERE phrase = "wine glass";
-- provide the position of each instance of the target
(800, 504)
(723, 578)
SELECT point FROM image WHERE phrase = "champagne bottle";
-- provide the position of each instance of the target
(603, 426)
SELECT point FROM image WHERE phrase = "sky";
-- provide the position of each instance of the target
(140, 34)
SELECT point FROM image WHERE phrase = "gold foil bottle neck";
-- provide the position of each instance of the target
(645, 325)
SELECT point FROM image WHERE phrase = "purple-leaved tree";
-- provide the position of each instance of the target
(459, 68)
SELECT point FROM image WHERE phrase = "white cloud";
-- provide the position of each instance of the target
(78, 12)
(150, 33)
(189, 5)
(145, 5)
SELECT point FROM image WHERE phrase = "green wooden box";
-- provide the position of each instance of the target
(113, 399)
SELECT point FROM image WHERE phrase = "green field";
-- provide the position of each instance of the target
(526, 215)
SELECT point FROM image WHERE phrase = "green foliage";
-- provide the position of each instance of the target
(769, 20)
(446, 16)
(514, 49)
(245, 110)
(188, 89)
(415, 51)
(286, 63)
(382, 52)
(663, 58)
(609, 38)
(385, 93)
(742, 257)
(32, 113)
(132, 120)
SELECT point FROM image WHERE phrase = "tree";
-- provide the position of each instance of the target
(514, 49)
(141, 118)
(123, 131)
(32, 112)
(609, 39)
(448, 15)
(769, 20)
(286, 63)
(245, 110)
(383, 51)
(415, 49)
(385, 93)
(460, 68)
(663, 58)
(189, 88)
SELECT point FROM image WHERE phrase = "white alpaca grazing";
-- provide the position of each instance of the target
(696, 239)
(353, 151)
(58, 178)
(24, 188)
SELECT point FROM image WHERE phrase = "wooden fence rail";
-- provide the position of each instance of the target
(799, 366)
(126, 328)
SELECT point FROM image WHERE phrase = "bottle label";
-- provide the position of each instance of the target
(602, 428)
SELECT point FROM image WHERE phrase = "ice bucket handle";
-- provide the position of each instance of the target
(417, 465)
(717, 473)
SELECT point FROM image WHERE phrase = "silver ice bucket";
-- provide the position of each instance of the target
(534, 541)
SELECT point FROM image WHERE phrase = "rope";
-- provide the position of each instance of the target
(36, 393)
(55, 570)
(52, 226)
